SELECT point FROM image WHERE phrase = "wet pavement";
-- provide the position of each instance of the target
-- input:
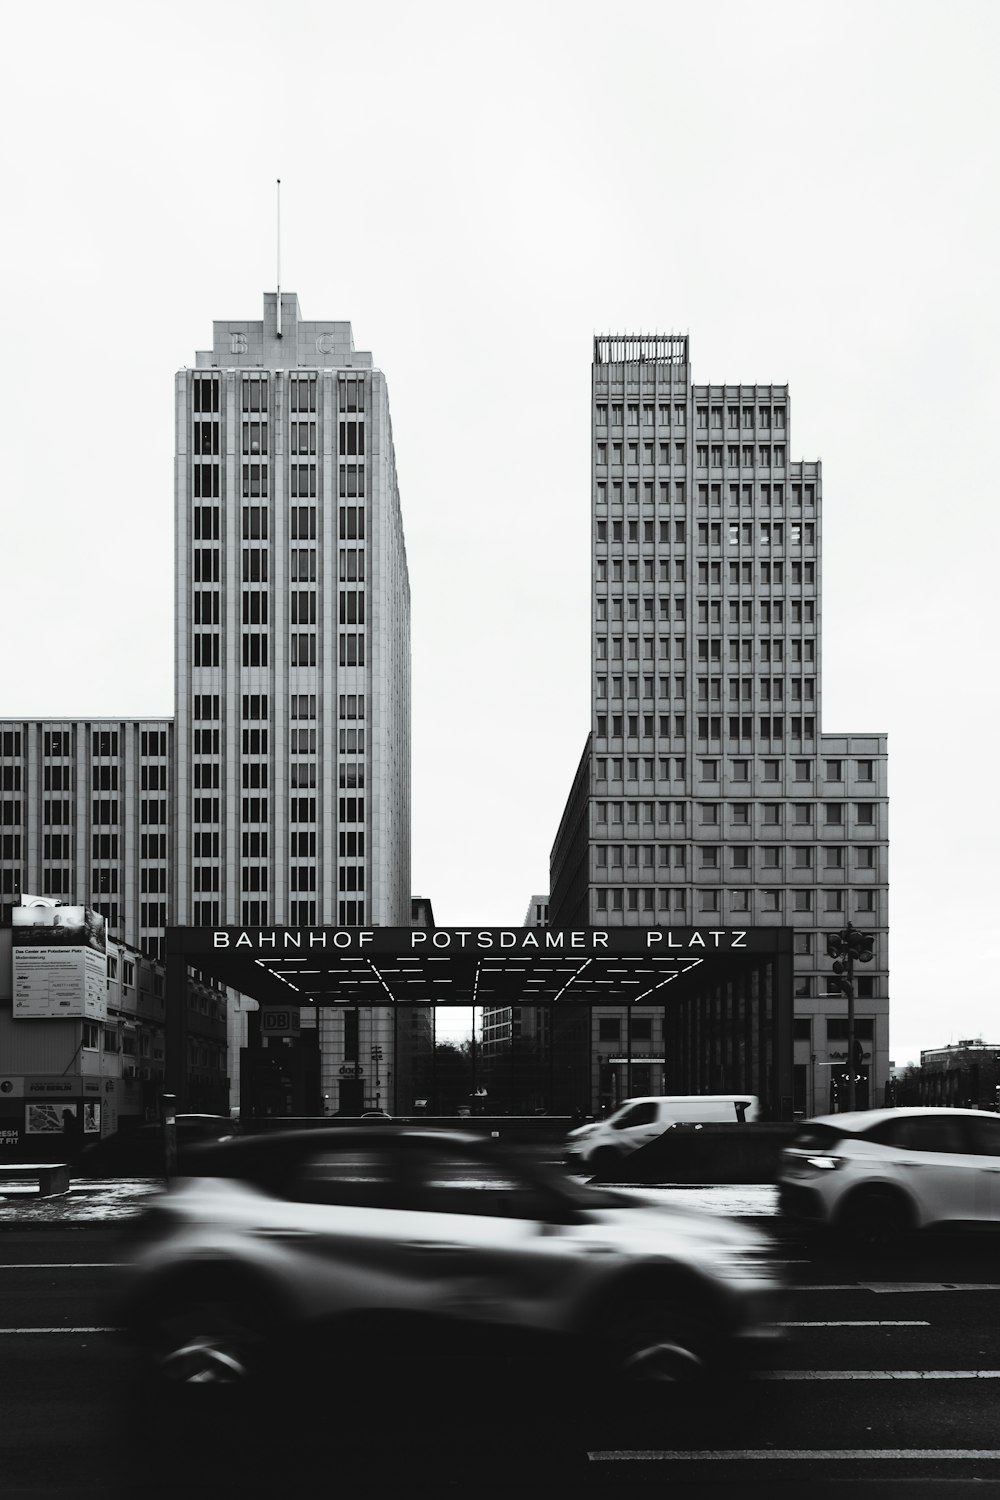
(96, 1201)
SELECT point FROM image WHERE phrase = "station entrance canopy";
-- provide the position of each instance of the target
(725, 993)
(472, 966)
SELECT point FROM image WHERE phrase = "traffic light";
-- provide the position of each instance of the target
(860, 945)
(835, 945)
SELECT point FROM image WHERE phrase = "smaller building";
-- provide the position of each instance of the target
(964, 1074)
(83, 1033)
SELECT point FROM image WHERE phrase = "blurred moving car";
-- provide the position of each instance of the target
(353, 1238)
(138, 1152)
(877, 1173)
(602, 1146)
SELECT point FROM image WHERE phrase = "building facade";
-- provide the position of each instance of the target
(279, 793)
(708, 793)
(292, 626)
(85, 809)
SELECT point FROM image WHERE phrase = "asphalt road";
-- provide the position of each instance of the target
(886, 1383)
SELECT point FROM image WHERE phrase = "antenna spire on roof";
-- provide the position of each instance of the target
(279, 256)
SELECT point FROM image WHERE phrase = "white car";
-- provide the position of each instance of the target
(877, 1173)
(380, 1237)
(602, 1146)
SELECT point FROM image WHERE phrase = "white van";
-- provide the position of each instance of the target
(601, 1146)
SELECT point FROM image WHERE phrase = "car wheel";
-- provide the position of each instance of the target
(606, 1164)
(206, 1339)
(875, 1218)
(660, 1343)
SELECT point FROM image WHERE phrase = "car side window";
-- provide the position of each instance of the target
(356, 1177)
(984, 1135)
(932, 1133)
(453, 1183)
(639, 1114)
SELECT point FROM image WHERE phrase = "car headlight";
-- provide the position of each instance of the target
(825, 1163)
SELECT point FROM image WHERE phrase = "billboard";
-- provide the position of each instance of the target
(60, 962)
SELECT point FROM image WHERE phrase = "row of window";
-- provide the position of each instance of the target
(709, 611)
(302, 520)
(745, 418)
(351, 776)
(715, 456)
(833, 814)
(254, 480)
(254, 390)
(710, 856)
(621, 647)
(674, 768)
(714, 902)
(302, 649)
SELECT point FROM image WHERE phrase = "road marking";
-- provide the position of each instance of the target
(930, 1286)
(860, 1323)
(58, 1330)
(877, 1375)
(900, 1286)
(62, 1265)
(742, 1455)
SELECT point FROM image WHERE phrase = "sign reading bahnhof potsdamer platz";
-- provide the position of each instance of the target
(720, 987)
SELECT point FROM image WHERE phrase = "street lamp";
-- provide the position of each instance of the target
(844, 947)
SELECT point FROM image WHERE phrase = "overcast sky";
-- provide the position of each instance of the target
(808, 190)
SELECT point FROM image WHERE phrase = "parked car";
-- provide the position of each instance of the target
(876, 1173)
(601, 1146)
(138, 1152)
(354, 1238)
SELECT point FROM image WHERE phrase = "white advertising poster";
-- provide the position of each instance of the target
(60, 961)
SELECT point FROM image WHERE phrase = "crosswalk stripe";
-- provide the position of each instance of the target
(877, 1375)
(743, 1455)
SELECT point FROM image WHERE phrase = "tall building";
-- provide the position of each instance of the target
(279, 793)
(292, 776)
(708, 793)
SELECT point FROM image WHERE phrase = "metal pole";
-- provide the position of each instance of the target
(850, 1028)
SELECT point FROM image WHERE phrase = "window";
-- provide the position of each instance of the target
(739, 900)
(866, 770)
(770, 900)
(833, 901)
(864, 857)
(865, 812)
(609, 1029)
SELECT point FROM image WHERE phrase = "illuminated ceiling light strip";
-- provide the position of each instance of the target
(381, 981)
(575, 975)
(690, 963)
(475, 984)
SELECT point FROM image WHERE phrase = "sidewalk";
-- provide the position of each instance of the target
(96, 1201)
(91, 1201)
